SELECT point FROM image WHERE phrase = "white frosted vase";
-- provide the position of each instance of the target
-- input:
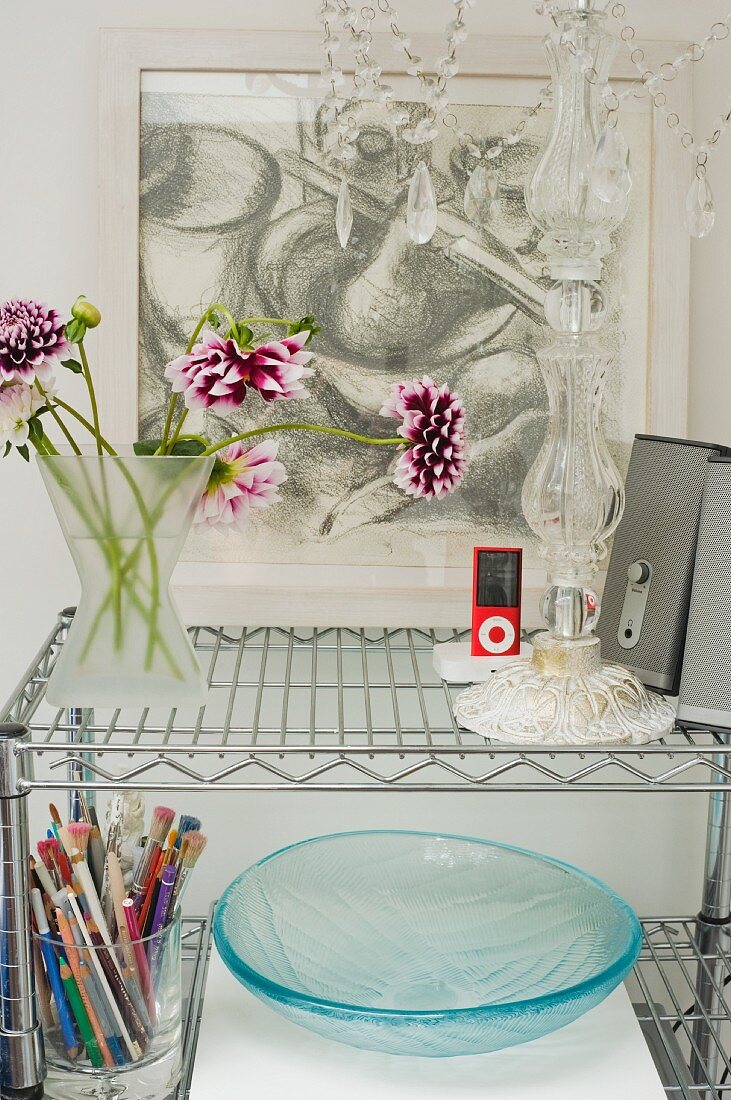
(125, 520)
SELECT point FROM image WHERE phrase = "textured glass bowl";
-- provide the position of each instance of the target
(420, 944)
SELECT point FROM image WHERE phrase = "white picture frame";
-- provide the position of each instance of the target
(388, 596)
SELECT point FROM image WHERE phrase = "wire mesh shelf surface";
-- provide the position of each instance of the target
(330, 709)
(689, 1042)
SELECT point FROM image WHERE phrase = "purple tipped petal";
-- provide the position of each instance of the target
(433, 421)
(215, 375)
(241, 480)
(32, 341)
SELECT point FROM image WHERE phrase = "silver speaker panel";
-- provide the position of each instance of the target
(705, 690)
(664, 491)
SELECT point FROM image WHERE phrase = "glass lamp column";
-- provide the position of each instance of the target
(573, 497)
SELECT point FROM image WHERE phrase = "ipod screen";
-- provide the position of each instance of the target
(497, 579)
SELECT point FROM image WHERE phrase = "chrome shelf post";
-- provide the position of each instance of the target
(22, 1065)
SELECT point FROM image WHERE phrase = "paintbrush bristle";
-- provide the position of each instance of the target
(162, 819)
(55, 815)
(187, 824)
(44, 852)
(79, 833)
(192, 848)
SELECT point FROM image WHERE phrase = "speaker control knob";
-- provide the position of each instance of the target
(638, 573)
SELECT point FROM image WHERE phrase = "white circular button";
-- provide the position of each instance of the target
(638, 572)
(497, 634)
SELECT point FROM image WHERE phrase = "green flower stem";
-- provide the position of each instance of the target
(92, 395)
(172, 405)
(42, 445)
(160, 640)
(154, 571)
(323, 429)
(192, 435)
(84, 423)
(69, 438)
(217, 307)
(265, 321)
(176, 433)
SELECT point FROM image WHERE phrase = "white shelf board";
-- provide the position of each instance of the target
(246, 1048)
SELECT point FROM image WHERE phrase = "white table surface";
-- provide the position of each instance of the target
(247, 1050)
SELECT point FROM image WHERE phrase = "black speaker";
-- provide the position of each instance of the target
(647, 591)
(705, 687)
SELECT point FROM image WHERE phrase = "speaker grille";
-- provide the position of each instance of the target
(664, 492)
(707, 666)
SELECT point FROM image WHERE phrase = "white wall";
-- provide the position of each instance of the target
(647, 847)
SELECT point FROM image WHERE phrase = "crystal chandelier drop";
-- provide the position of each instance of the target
(573, 495)
(347, 29)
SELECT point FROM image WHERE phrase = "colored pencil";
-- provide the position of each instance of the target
(73, 955)
(108, 960)
(139, 950)
(80, 1015)
(132, 1047)
(65, 1018)
(96, 986)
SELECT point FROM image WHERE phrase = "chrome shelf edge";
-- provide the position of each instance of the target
(335, 709)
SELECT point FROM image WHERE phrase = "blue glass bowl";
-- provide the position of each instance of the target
(422, 944)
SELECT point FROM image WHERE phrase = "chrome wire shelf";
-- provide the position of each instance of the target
(689, 1042)
(663, 987)
(331, 709)
(196, 953)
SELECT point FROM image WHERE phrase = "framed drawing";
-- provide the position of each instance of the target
(217, 185)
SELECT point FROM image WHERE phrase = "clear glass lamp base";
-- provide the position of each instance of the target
(565, 695)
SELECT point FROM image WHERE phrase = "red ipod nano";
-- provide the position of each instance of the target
(496, 593)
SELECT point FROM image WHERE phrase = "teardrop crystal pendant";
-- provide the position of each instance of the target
(700, 211)
(421, 208)
(610, 176)
(344, 214)
(481, 194)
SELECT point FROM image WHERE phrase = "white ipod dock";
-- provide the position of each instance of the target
(453, 661)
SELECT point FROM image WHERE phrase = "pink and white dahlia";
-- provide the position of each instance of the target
(18, 403)
(278, 368)
(433, 422)
(241, 480)
(214, 375)
(32, 341)
(217, 373)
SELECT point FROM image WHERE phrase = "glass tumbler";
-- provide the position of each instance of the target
(111, 1017)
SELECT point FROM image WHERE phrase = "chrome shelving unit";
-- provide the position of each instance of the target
(363, 710)
(323, 710)
(196, 953)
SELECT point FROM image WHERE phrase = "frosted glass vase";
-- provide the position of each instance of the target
(125, 520)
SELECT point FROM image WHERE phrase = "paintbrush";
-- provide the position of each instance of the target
(162, 819)
(96, 851)
(61, 830)
(190, 852)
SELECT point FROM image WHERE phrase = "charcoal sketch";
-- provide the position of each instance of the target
(237, 204)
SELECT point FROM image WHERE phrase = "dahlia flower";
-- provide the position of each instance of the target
(277, 369)
(433, 422)
(241, 479)
(217, 373)
(18, 403)
(32, 341)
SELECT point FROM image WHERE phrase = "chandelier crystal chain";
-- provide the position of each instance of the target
(343, 107)
(700, 209)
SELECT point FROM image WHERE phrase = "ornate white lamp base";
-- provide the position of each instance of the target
(565, 695)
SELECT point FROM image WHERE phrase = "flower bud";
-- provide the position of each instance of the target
(82, 310)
